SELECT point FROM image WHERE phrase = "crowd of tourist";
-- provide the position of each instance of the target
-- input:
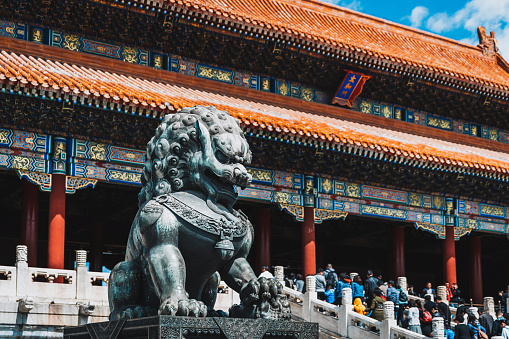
(369, 296)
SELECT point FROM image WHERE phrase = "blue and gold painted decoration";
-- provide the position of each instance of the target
(384, 194)
(297, 212)
(270, 195)
(350, 88)
(482, 209)
(414, 116)
(28, 141)
(43, 180)
(13, 30)
(492, 211)
(26, 151)
(72, 184)
(108, 153)
(322, 215)
(384, 212)
(214, 73)
(276, 178)
(438, 122)
(439, 230)
(156, 59)
(38, 35)
(355, 190)
(77, 43)
(59, 155)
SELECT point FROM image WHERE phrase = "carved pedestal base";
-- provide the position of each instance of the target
(170, 327)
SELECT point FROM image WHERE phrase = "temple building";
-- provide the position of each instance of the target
(375, 145)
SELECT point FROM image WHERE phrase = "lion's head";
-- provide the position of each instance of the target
(197, 148)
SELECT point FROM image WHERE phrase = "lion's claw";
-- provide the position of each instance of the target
(184, 307)
(262, 298)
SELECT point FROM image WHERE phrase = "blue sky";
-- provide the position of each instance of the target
(450, 18)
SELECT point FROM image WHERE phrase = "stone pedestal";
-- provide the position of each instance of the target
(170, 327)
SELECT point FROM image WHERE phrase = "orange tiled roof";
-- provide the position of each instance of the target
(360, 33)
(63, 78)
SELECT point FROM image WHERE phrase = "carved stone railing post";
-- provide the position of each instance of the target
(489, 306)
(279, 274)
(307, 306)
(442, 293)
(22, 275)
(346, 306)
(82, 281)
(385, 332)
(438, 328)
(402, 282)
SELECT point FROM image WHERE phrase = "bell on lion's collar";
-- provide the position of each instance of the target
(224, 249)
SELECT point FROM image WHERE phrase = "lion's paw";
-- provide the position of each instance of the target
(133, 312)
(186, 307)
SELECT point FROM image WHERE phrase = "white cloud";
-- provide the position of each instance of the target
(418, 14)
(492, 14)
(440, 22)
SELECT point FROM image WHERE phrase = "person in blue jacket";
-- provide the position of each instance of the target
(357, 288)
(342, 283)
(329, 294)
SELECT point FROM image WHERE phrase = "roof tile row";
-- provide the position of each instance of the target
(344, 28)
(28, 71)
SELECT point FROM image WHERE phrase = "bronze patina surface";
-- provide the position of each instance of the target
(186, 235)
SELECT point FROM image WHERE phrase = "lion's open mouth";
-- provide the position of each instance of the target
(226, 194)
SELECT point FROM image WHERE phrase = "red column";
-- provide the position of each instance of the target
(475, 269)
(262, 240)
(308, 242)
(398, 250)
(449, 254)
(56, 236)
(30, 220)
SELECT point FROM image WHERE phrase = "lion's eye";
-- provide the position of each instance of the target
(221, 157)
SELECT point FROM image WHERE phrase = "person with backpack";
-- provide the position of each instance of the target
(425, 319)
(476, 328)
(403, 302)
(331, 278)
(393, 295)
(342, 283)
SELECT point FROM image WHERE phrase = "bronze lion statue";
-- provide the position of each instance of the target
(186, 235)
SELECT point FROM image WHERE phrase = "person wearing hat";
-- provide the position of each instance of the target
(265, 273)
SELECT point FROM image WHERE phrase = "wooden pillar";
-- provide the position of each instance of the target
(475, 269)
(449, 256)
(97, 247)
(308, 242)
(30, 220)
(56, 232)
(262, 240)
(398, 250)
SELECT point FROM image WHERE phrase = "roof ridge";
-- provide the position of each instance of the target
(354, 15)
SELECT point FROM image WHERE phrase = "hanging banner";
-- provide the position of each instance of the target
(350, 88)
